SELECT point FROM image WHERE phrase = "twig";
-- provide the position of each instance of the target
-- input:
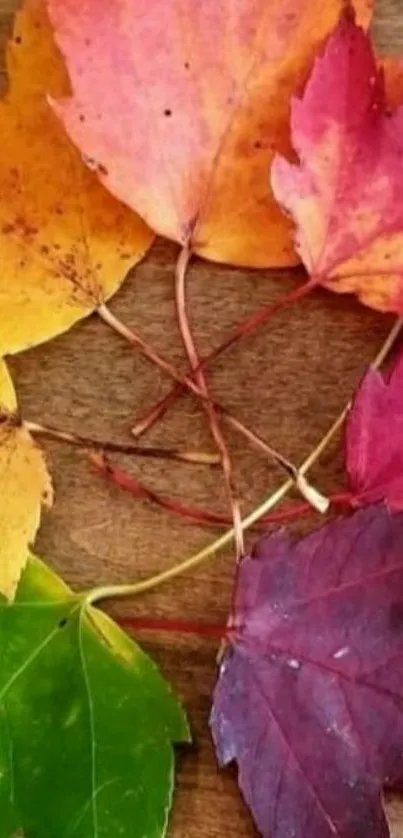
(79, 441)
(201, 381)
(246, 327)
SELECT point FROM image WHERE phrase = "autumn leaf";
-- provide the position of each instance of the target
(346, 193)
(309, 696)
(24, 486)
(374, 438)
(66, 245)
(86, 720)
(393, 71)
(187, 135)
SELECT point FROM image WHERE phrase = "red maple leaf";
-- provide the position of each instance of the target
(374, 438)
(309, 700)
(345, 193)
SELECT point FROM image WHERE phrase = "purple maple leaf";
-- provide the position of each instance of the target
(309, 699)
(374, 439)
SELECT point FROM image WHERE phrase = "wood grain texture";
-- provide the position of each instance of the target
(289, 381)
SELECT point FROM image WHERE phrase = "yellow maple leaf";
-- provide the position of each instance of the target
(24, 486)
(65, 243)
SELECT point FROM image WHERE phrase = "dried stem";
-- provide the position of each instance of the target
(201, 381)
(246, 327)
(134, 339)
(210, 550)
(79, 441)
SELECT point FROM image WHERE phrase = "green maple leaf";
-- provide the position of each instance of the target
(86, 721)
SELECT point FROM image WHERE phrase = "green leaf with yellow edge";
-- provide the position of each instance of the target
(24, 486)
(66, 244)
(86, 721)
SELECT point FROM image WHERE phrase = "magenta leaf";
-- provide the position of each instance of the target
(374, 439)
(309, 699)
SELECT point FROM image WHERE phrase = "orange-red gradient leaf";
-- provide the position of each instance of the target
(181, 105)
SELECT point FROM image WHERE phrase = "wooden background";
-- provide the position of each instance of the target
(289, 381)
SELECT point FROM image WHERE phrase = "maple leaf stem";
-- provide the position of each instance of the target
(255, 439)
(201, 381)
(170, 626)
(245, 328)
(79, 441)
(113, 591)
(388, 343)
(121, 478)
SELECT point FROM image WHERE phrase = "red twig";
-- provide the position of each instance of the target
(203, 517)
(180, 626)
(259, 317)
(121, 478)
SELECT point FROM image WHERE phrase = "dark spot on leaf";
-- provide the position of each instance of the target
(186, 65)
(7, 228)
(91, 164)
(44, 249)
(167, 112)
(18, 39)
(102, 169)
(257, 144)
(81, 117)
(23, 227)
(46, 497)
(62, 623)
(87, 42)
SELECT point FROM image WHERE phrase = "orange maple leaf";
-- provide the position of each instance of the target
(182, 105)
(66, 244)
(345, 194)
